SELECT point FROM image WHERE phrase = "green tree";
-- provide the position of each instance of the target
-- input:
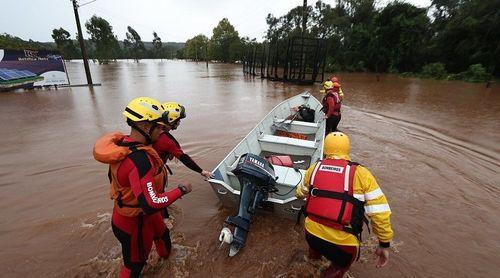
(402, 36)
(224, 40)
(179, 54)
(105, 42)
(467, 33)
(157, 46)
(61, 38)
(356, 39)
(196, 48)
(64, 44)
(324, 21)
(333, 24)
(134, 44)
(286, 26)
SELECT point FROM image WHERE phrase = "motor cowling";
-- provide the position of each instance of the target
(257, 169)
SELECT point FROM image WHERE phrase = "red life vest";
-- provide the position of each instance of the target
(331, 201)
(337, 101)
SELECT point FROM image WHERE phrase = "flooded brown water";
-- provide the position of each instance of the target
(434, 147)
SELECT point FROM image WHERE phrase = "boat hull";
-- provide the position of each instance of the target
(261, 140)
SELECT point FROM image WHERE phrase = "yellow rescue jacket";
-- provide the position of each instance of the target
(365, 188)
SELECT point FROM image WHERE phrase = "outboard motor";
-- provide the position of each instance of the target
(257, 179)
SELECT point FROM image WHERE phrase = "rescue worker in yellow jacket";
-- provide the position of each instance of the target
(339, 193)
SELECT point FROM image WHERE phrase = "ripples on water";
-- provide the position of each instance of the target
(433, 146)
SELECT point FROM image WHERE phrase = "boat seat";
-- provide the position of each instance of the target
(296, 122)
(287, 140)
(288, 176)
(296, 126)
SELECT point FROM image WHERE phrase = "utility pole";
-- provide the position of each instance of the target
(206, 54)
(82, 44)
(304, 18)
(302, 70)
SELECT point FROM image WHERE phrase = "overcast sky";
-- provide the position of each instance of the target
(173, 20)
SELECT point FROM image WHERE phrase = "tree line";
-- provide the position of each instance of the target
(455, 39)
(14, 43)
(225, 45)
(452, 39)
(104, 46)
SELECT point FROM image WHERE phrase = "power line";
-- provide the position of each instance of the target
(87, 3)
(128, 21)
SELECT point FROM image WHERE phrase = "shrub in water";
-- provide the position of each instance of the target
(476, 73)
(393, 70)
(331, 65)
(434, 70)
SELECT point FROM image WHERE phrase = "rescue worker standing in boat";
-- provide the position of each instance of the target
(168, 147)
(331, 106)
(137, 179)
(339, 193)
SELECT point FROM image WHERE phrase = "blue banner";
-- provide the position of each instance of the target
(46, 64)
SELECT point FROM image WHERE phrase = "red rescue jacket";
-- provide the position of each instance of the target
(331, 104)
(331, 201)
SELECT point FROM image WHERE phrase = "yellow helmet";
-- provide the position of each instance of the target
(337, 144)
(328, 85)
(174, 112)
(145, 109)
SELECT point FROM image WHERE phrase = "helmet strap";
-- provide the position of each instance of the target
(174, 124)
(151, 129)
(143, 133)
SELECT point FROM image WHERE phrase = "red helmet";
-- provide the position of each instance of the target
(335, 79)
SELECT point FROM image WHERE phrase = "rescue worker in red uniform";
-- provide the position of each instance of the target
(331, 106)
(168, 147)
(137, 179)
(339, 193)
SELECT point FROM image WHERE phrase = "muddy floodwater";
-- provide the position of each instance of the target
(434, 147)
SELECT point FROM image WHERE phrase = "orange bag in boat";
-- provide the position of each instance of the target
(280, 160)
(283, 133)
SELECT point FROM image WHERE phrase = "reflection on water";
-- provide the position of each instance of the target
(433, 146)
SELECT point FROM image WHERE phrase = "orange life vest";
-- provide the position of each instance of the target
(295, 135)
(111, 150)
(331, 201)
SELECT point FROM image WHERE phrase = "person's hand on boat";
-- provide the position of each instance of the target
(383, 256)
(185, 187)
(208, 175)
(294, 109)
(325, 117)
